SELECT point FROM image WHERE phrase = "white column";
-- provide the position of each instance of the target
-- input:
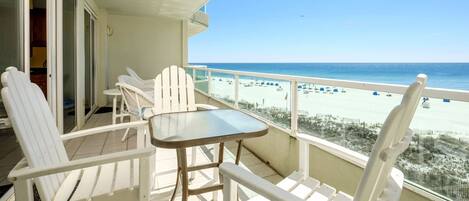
(236, 84)
(184, 42)
(294, 107)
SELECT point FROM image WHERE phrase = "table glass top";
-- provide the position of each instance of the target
(203, 127)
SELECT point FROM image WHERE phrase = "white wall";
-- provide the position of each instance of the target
(102, 57)
(147, 44)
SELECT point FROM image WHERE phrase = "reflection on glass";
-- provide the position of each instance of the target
(438, 155)
(69, 95)
(10, 55)
(10, 45)
(267, 98)
(89, 62)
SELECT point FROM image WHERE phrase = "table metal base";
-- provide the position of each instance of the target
(183, 169)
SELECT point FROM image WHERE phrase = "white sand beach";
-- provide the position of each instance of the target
(352, 104)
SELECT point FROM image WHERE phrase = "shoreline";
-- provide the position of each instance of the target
(441, 117)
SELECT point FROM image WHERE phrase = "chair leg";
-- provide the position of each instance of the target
(216, 175)
(23, 190)
(121, 110)
(124, 138)
(114, 105)
(126, 134)
(140, 137)
(193, 162)
(144, 180)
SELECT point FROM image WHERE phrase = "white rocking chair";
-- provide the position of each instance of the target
(380, 180)
(117, 176)
(137, 103)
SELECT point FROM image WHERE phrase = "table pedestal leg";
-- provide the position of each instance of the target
(183, 170)
(178, 174)
(127, 130)
(182, 163)
(238, 152)
(220, 160)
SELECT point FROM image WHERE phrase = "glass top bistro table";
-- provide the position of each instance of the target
(187, 129)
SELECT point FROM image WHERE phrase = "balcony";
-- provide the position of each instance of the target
(343, 117)
(166, 162)
(198, 22)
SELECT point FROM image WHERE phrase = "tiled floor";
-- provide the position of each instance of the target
(166, 160)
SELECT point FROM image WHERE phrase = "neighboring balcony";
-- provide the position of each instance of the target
(344, 117)
(198, 22)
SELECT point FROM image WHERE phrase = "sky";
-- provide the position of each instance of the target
(243, 31)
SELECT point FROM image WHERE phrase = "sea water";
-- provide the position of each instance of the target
(441, 75)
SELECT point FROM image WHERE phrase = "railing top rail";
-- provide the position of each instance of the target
(453, 94)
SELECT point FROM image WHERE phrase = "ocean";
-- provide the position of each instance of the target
(441, 75)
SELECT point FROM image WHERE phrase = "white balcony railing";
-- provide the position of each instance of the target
(204, 75)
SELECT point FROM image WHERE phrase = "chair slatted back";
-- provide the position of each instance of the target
(379, 166)
(134, 97)
(174, 91)
(35, 128)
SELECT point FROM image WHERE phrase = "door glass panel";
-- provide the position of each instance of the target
(89, 62)
(38, 44)
(10, 55)
(69, 72)
(10, 40)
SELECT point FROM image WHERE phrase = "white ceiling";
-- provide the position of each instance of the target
(171, 8)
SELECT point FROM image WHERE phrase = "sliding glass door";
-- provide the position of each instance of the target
(11, 54)
(10, 35)
(90, 102)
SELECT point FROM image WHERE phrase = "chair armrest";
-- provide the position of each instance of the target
(28, 173)
(205, 107)
(354, 157)
(102, 129)
(255, 183)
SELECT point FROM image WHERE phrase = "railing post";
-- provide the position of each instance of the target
(209, 83)
(294, 107)
(303, 158)
(236, 93)
(193, 74)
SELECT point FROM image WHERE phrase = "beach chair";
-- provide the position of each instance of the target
(174, 92)
(380, 180)
(118, 176)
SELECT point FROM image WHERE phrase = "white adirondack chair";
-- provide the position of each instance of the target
(146, 83)
(380, 180)
(117, 176)
(174, 92)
